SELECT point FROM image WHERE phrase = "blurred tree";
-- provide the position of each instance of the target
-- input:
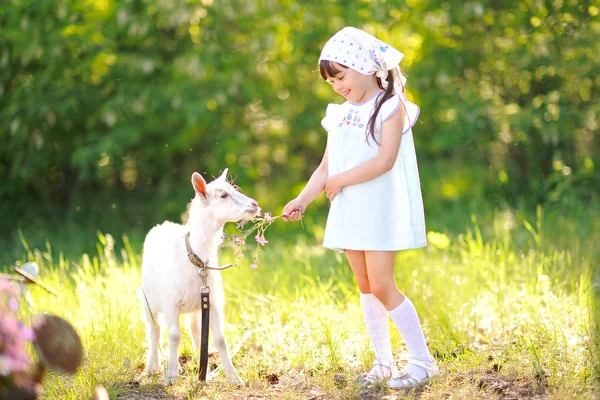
(106, 108)
(515, 85)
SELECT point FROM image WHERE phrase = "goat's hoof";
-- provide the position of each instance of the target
(235, 380)
(150, 371)
(170, 380)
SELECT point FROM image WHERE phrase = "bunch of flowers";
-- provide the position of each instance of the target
(14, 359)
(258, 226)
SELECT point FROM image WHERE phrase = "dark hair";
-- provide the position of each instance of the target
(329, 70)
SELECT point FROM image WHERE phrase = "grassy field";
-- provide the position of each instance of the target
(509, 309)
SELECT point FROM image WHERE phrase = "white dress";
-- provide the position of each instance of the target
(385, 213)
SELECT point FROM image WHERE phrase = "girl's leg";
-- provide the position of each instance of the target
(375, 316)
(380, 270)
(359, 267)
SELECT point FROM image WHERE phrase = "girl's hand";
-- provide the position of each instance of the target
(293, 210)
(332, 187)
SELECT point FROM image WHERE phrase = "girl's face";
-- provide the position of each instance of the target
(353, 85)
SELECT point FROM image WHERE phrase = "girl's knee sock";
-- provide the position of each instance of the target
(407, 321)
(376, 320)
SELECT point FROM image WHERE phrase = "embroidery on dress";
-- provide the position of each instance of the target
(351, 119)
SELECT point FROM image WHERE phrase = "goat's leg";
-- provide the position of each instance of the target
(152, 337)
(196, 332)
(216, 326)
(195, 320)
(172, 318)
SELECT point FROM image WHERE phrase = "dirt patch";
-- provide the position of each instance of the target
(517, 388)
(491, 383)
(271, 386)
(132, 391)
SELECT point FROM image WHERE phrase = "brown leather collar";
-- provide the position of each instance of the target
(194, 259)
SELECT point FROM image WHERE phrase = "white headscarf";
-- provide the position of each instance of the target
(363, 53)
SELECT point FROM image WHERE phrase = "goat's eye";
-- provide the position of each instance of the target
(224, 195)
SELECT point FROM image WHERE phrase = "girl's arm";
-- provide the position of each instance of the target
(391, 136)
(295, 208)
(316, 183)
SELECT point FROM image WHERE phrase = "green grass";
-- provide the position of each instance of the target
(509, 309)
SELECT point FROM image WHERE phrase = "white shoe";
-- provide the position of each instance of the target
(379, 373)
(404, 380)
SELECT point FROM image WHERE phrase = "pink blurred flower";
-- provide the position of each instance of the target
(28, 334)
(268, 218)
(258, 226)
(238, 253)
(9, 288)
(261, 240)
(14, 359)
(13, 304)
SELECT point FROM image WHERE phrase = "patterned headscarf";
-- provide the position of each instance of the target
(363, 53)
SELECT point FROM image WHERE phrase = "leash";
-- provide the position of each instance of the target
(205, 293)
(205, 304)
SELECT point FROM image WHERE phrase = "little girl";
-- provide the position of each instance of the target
(369, 174)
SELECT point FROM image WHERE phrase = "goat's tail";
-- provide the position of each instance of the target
(141, 295)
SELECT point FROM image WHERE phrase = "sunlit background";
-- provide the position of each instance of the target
(108, 107)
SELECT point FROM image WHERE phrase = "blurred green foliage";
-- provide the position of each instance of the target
(107, 107)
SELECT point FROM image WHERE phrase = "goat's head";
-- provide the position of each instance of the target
(225, 202)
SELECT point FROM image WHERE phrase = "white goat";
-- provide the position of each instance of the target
(170, 282)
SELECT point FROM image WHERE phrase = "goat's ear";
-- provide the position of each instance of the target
(223, 176)
(199, 184)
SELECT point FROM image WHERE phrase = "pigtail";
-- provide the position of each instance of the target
(392, 78)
